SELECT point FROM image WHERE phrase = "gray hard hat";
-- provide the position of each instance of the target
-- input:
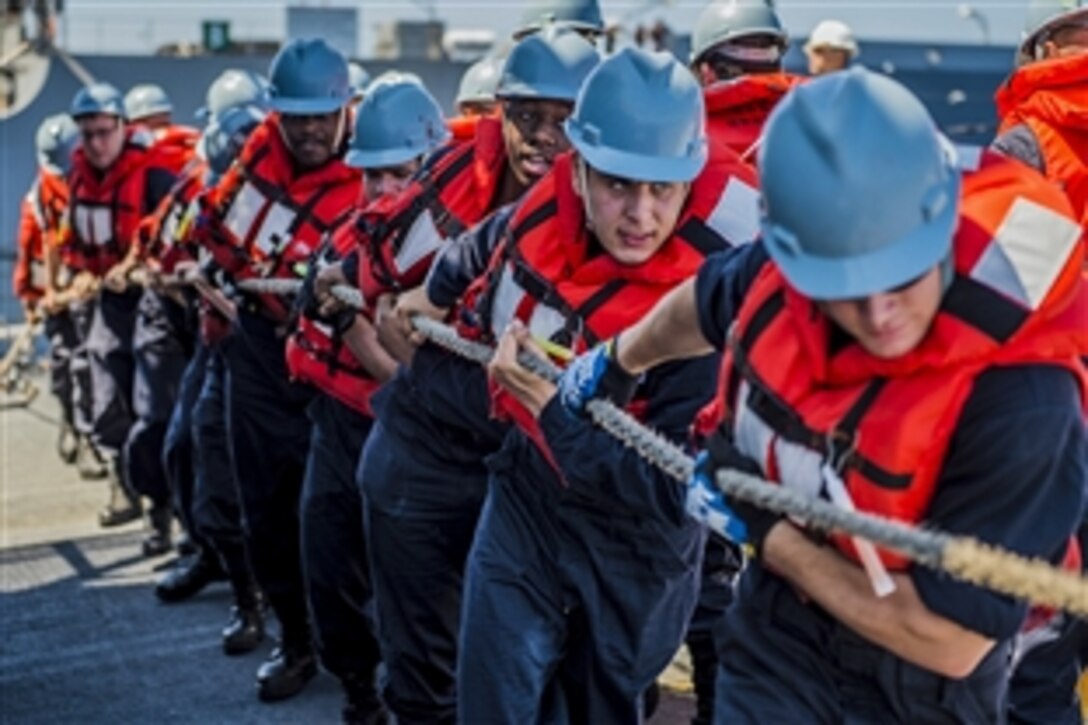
(725, 21)
(358, 78)
(1046, 16)
(234, 87)
(579, 15)
(97, 98)
(57, 137)
(309, 77)
(547, 65)
(146, 99)
(480, 80)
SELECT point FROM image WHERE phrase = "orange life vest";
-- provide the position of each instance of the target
(463, 128)
(549, 275)
(316, 356)
(41, 217)
(174, 147)
(105, 209)
(266, 220)
(160, 236)
(1050, 97)
(737, 109)
(398, 235)
(884, 425)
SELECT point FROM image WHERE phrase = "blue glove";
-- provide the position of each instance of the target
(705, 502)
(595, 374)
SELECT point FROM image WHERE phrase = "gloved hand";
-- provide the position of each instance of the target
(737, 520)
(596, 374)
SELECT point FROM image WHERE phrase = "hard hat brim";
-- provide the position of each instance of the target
(307, 106)
(826, 278)
(628, 165)
(539, 93)
(359, 159)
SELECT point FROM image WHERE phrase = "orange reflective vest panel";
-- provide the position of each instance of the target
(884, 425)
(315, 355)
(263, 219)
(398, 236)
(105, 208)
(737, 109)
(552, 275)
(41, 217)
(1051, 98)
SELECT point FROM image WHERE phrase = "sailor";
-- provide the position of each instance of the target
(830, 47)
(397, 125)
(1044, 103)
(34, 279)
(584, 571)
(267, 216)
(237, 101)
(737, 49)
(115, 181)
(909, 340)
(421, 504)
(148, 106)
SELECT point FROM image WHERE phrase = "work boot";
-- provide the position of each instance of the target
(122, 507)
(186, 547)
(189, 577)
(286, 672)
(160, 519)
(245, 630)
(67, 443)
(362, 706)
(89, 462)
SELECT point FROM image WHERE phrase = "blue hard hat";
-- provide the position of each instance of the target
(641, 116)
(57, 137)
(725, 21)
(234, 87)
(226, 134)
(309, 77)
(97, 98)
(1046, 16)
(480, 80)
(547, 65)
(397, 121)
(146, 99)
(578, 15)
(860, 192)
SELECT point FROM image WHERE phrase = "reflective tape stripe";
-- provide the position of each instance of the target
(736, 215)
(94, 224)
(798, 467)
(1028, 253)
(422, 239)
(247, 204)
(275, 231)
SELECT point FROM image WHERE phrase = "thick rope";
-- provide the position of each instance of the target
(964, 558)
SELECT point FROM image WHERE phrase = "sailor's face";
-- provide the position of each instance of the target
(388, 180)
(103, 138)
(825, 60)
(533, 133)
(313, 139)
(891, 324)
(631, 219)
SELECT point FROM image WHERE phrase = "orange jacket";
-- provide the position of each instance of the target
(1050, 97)
(796, 404)
(41, 220)
(263, 219)
(737, 109)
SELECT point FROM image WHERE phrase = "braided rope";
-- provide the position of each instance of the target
(963, 557)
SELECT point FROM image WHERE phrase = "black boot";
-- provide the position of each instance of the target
(122, 507)
(186, 546)
(362, 706)
(160, 520)
(67, 443)
(89, 462)
(286, 672)
(189, 577)
(245, 630)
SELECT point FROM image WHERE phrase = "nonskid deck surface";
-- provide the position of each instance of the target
(82, 637)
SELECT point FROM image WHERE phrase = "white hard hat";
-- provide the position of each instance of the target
(833, 34)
